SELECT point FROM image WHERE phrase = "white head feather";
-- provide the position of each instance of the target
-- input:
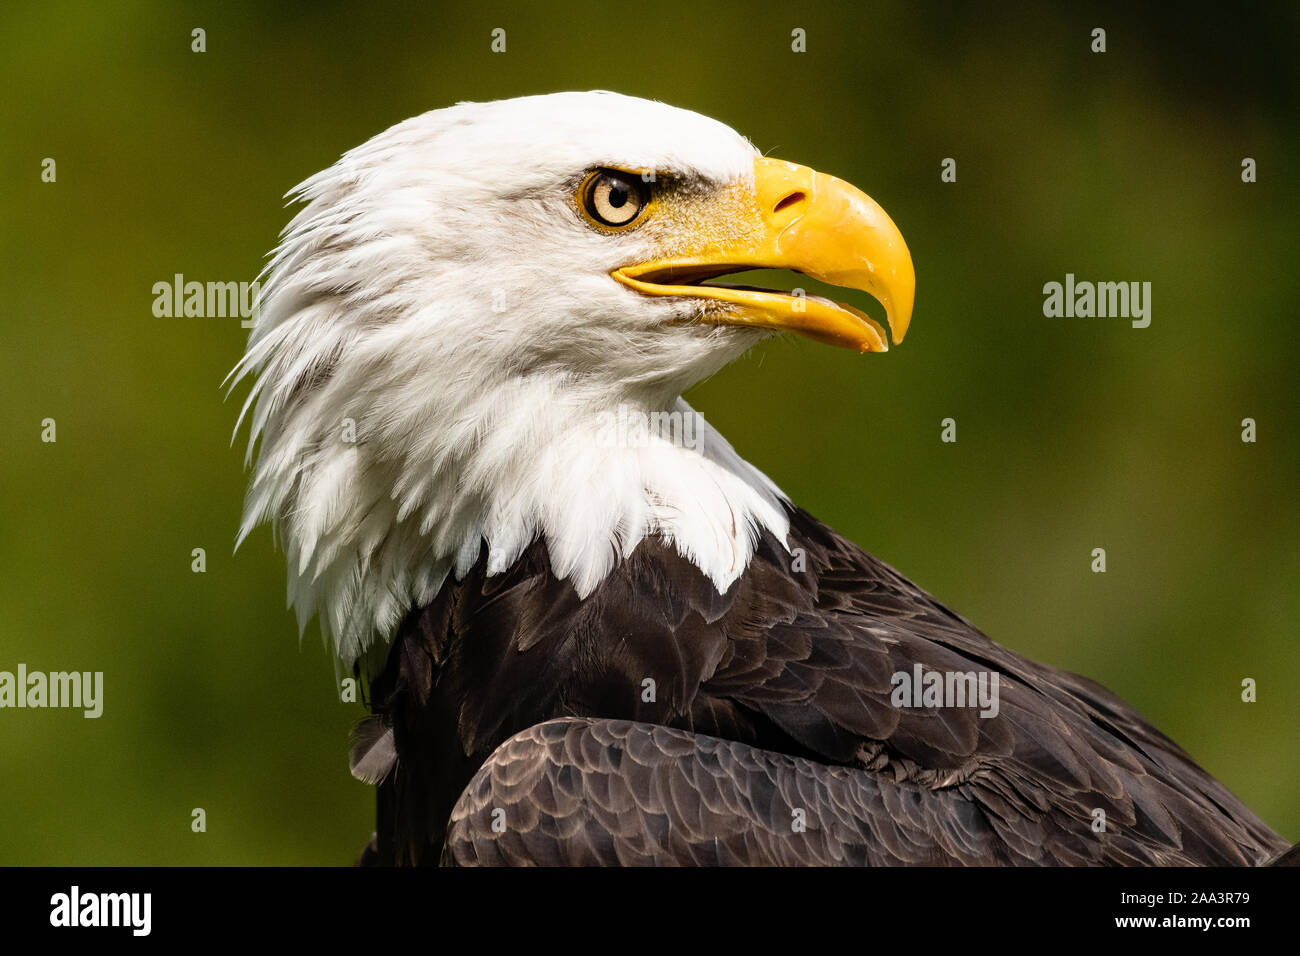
(440, 301)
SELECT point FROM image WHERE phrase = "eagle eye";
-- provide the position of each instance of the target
(613, 198)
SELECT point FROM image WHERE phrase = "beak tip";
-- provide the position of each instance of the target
(899, 320)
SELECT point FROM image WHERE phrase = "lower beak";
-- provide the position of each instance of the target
(811, 223)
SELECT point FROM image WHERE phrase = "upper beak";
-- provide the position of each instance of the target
(811, 223)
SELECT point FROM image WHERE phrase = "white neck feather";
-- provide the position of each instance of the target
(370, 538)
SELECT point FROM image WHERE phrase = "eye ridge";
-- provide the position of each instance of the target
(614, 198)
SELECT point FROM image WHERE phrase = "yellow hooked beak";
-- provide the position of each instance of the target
(811, 223)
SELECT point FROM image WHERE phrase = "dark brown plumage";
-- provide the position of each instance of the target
(510, 694)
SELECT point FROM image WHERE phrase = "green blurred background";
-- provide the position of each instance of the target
(1073, 433)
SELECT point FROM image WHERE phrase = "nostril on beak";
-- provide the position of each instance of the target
(789, 199)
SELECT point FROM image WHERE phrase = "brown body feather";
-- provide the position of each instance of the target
(771, 698)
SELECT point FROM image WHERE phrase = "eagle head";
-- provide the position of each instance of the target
(469, 299)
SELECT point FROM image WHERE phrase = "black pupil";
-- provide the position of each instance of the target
(618, 193)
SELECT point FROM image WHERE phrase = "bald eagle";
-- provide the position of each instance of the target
(593, 633)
